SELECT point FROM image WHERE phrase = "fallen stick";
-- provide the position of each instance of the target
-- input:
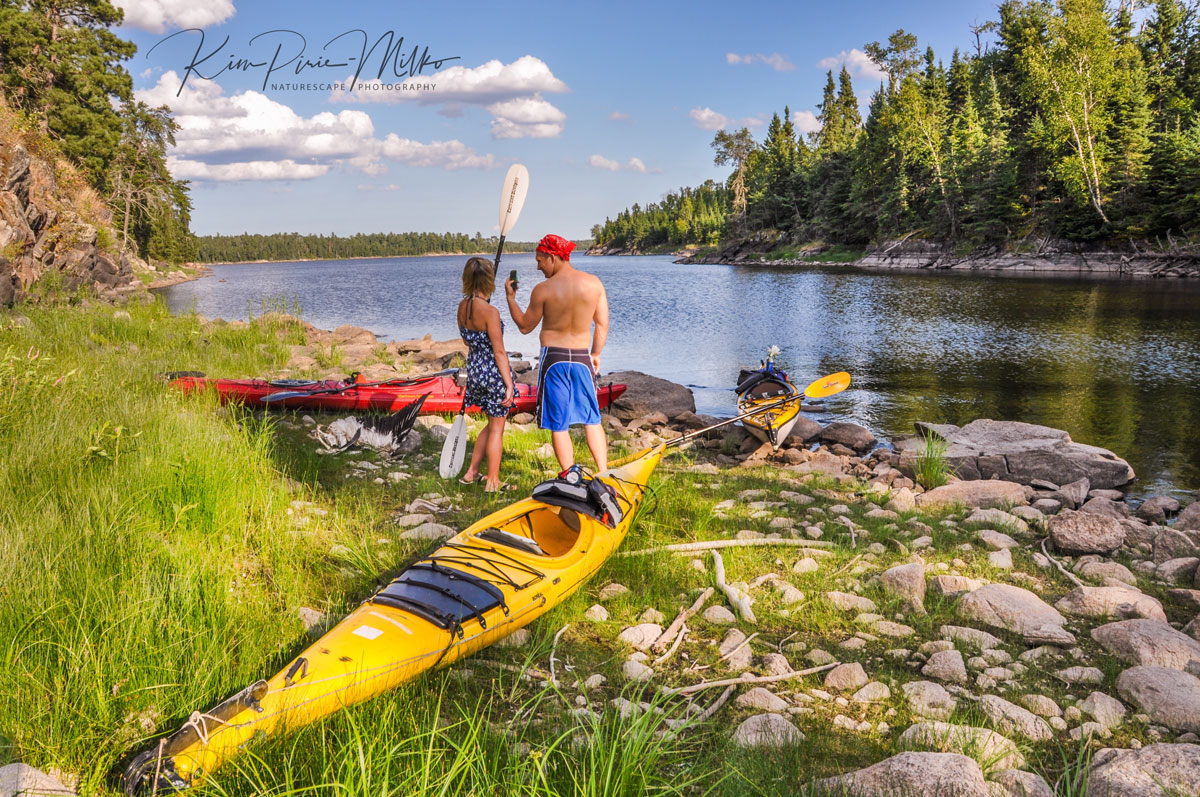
(760, 679)
(1057, 564)
(745, 642)
(705, 715)
(678, 641)
(711, 545)
(527, 673)
(735, 597)
(684, 615)
(554, 647)
(783, 641)
(848, 565)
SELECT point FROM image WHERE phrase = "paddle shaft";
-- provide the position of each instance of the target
(349, 386)
(696, 433)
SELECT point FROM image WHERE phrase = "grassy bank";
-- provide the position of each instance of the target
(157, 549)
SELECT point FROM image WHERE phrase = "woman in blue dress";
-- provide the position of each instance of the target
(489, 380)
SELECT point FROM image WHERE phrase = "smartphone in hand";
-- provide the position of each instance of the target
(512, 275)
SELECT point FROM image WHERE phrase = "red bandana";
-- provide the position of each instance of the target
(556, 245)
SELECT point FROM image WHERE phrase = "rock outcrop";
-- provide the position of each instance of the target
(45, 232)
(645, 394)
(1022, 452)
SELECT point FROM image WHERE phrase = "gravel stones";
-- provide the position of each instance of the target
(761, 698)
(1008, 607)
(1009, 718)
(719, 615)
(929, 700)
(971, 636)
(22, 779)
(948, 666)
(636, 671)
(850, 435)
(1189, 518)
(1157, 770)
(640, 636)
(986, 493)
(614, 590)
(846, 676)
(932, 774)
(1089, 676)
(999, 519)
(997, 750)
(953, 586)
(907, 582)
(767, 730)
(1076, 533)
(1148, 642)
(1167, 696)
(737, 656)
(848, 602)
(597, 613)
(1106, 710)
(873, 692)
(1019, 783)
(1116, 602)
(429, 531)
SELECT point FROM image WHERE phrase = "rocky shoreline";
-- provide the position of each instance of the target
(1049, 257)
(958, 627)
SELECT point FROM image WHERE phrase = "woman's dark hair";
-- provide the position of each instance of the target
(479, 276)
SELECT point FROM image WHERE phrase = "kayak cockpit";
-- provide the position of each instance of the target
(543, 531)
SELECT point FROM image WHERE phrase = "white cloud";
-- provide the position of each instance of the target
(806, 121)
(857, 63)
(157, 16)
(526, 117)
(774, 60)
(388, 187)
(601, 162)
(511, 93)
(633, 165)
(708, 119)
(249, 136)
(618, 116)
(184, 169)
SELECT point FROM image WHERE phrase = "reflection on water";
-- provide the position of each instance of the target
(1116, 363)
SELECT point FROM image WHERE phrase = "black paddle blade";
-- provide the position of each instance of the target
(397, 424)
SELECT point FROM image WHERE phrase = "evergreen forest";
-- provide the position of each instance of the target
(1074, 120)
(294, 246)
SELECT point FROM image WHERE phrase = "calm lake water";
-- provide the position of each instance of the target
(1114, 362)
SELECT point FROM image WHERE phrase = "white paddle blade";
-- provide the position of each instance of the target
(512, 196)
(454, 449)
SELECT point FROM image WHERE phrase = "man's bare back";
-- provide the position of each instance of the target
(569, 302)
(567, 305)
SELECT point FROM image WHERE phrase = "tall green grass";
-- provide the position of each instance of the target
(932, 469)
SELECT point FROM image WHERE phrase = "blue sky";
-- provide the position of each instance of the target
(606, 104)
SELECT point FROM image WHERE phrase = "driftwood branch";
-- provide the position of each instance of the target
(745, 642)
(526, 673)
(684, 615)
(734, 596)
(678, 641)
(712, 545)
(705, 715)
(1057, 564)
(761, 679)
(553, 648)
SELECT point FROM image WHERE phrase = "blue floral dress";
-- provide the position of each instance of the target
(485, 386)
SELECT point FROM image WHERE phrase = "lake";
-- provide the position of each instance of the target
(1114, 362)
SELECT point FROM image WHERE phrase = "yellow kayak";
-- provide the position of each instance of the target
(768, 387)
(487, 581)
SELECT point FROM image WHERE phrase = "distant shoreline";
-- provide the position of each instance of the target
(196, 264)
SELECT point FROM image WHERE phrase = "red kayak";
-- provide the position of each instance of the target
(441, 393)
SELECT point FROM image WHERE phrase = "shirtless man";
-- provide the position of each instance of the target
(567, 305)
